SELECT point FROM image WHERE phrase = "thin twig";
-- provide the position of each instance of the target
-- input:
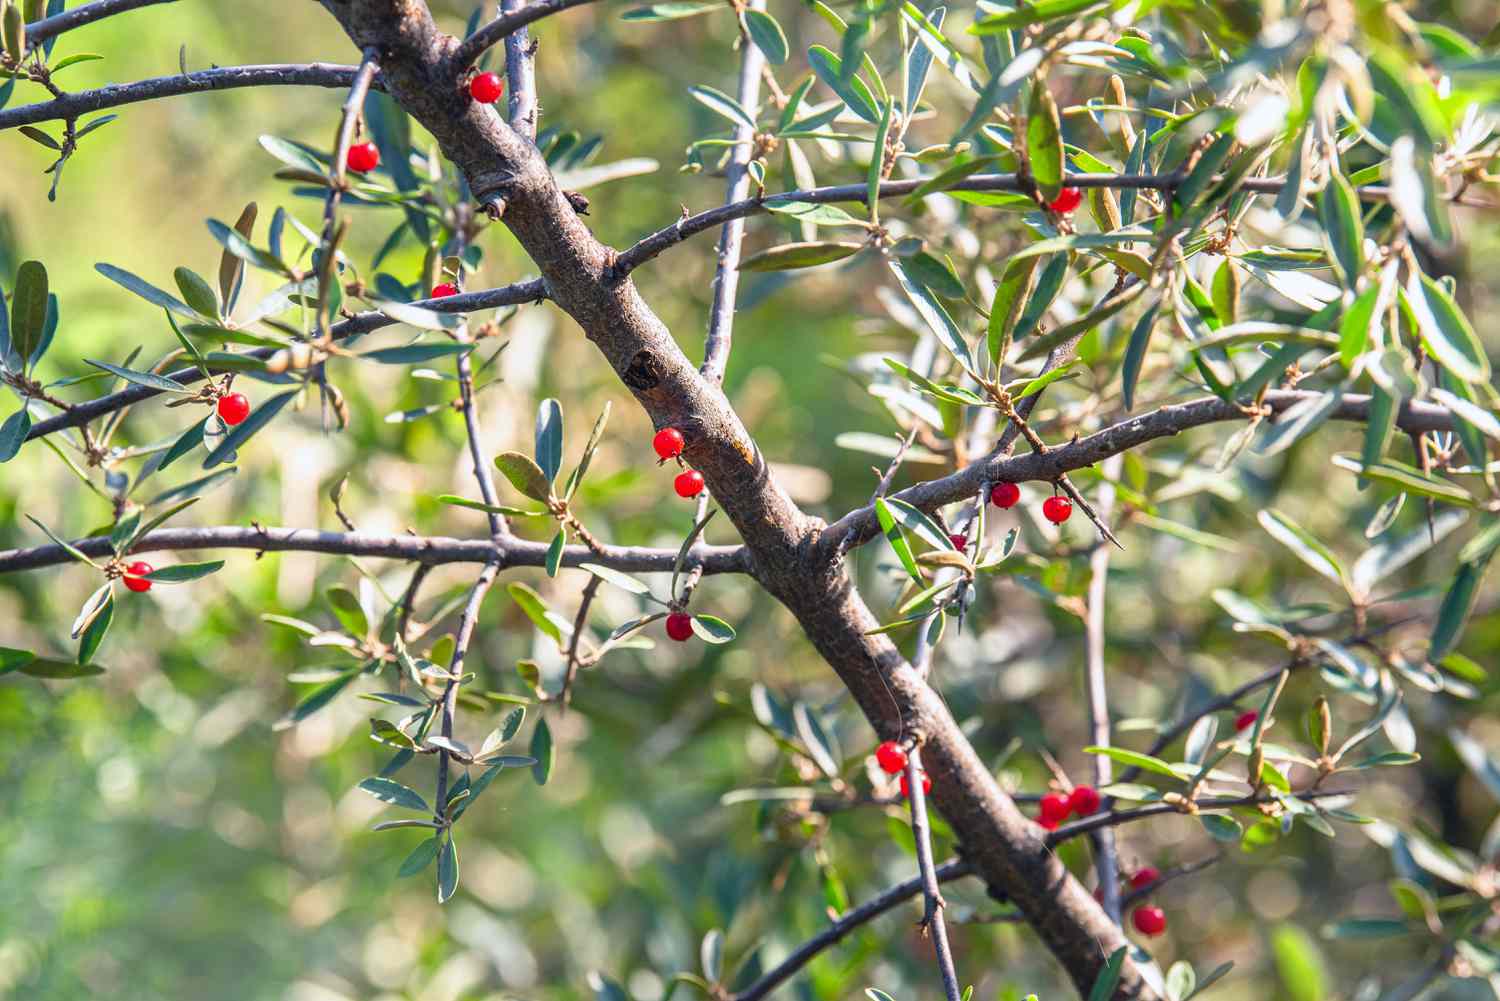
(455, 679)
(348, 119)
(932, 897)
(1114, 818)
(218, 78)
(1106, 861)
(512, 20)
(432, 550)
(731, 237)
(580, 621)
(520, 74)
(836, 932)
(38, 32)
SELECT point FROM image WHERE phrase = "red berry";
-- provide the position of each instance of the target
(363, 157)
(680, 626)
(135, 576)
(443, 290)
(1145, 876)
(1046, 825)
(688, 484)
(233, 408)
(1066, 201)
(1057, 509)
(890, 757)
(906, 786)
(486, 88)
(960, 541)
(1004, 495)
(1245, 721)
(1055, 808)
(1083, 800)
(1149, 920)
(668, 443)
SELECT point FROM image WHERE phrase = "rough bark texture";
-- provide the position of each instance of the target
(420, 72)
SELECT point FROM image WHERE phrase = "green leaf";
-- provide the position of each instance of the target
(181, 573)
(513, 512)
(789, 256)
(1454, 611)
(95, 629)
(717, 100)
(1109, 976)
(543, 751)
(241, 433)
(146, 290)
(897, 540)
(934, 315)
(1306, 548)
(621, 580)
(525, 475)
(1048, 284)
(238, 245)
(549, 438)
(1299, 964)
(934, 275)
(1445, 331)
(1032, 13)
(1411, 480)
(13, 433)
(393, 792)
(56, 670)
(1135, 353)
(1134, 759)
(535, 608)
(818, 215)
(1354, 327)
(668, 11)
(767, 35)
(447, 882)
(1343, 230)
(67, 547)
(28, 309)
(1044, 145)
(712, 629)
(149, 379)
(196, 292)
(851, 90)
(411, 354)
(231, 268)
(317, 699)
(555, 552)
(420, 858)
(347, 609)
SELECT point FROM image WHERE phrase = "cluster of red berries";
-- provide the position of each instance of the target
(1148, 918)
(1055, 807)
(233, 408)
(892, 760)
(1056, 509)
(1066, 201)
(668, 444)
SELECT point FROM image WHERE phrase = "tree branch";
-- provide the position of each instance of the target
(79, 414)
(836, 932)
(1114, 818)
(218, 78)
(1160, 423)
(455, 679)
(520, 75)
(511, 20)
(38, 32)
(431, 550)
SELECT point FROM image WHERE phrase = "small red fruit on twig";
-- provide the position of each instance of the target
(960, 541)
(363, 157)
(1083, 800)
(443, 290)
(906, 786)
(1145, 876)
(1004, 495)
(1057, 509)
(135, 576)
(1055, 809)
(1066, 201)
(890, 758)
(1149, 920)
(486, 88)
(668, 443)
(1245, 721)
(233, 408)
(680, 626)
(688, 484)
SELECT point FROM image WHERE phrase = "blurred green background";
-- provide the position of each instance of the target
(160, 840)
